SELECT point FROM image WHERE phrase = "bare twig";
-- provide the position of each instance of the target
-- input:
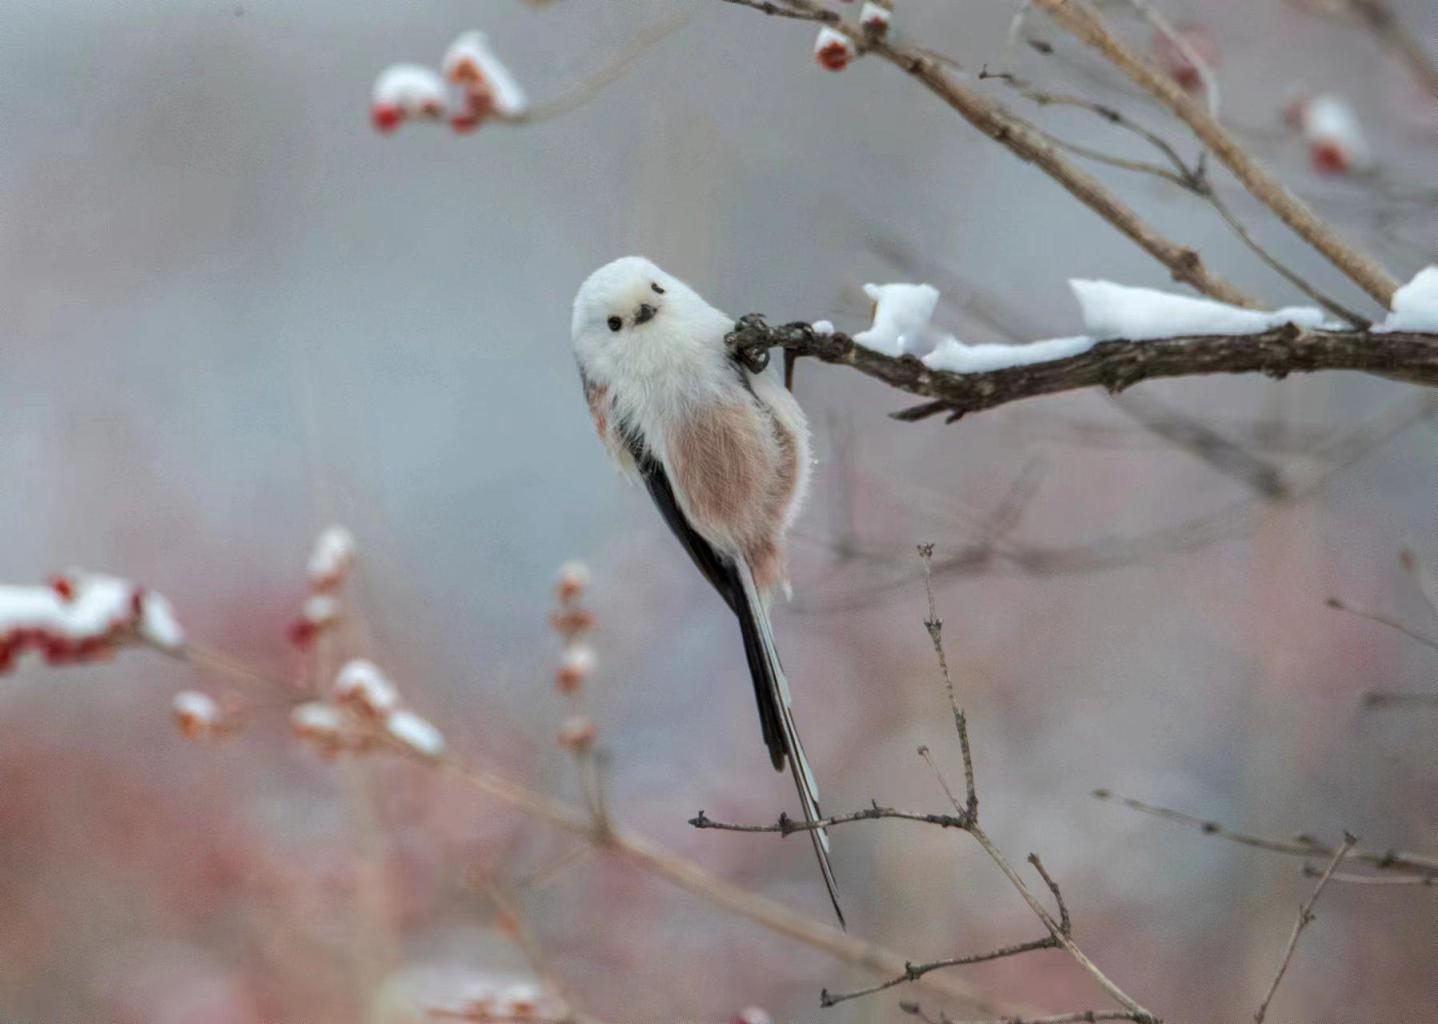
(1305, 918)
(612, 70)
(1301, 846)
(1081, 19)
(935, 628)
(1383, 620)
(1079, 1017)
(1115, 365)
(780, 9)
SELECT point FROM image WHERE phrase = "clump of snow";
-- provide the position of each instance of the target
(1139, 314)
(416, 733)
(362, 684)
(953, 355)
(1415, 305)
(1110, 311)
(901, 319)
(327, 727)
(575, 666)
(198, 715)
(832, 49)
(470, 63)
(331, 557)
(83, 617)
(822, 328)
(875, 18)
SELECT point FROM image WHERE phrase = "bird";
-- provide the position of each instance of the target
(724, 453)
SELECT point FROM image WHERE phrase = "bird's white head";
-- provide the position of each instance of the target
(630, 315)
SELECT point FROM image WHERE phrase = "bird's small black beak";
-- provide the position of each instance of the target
(645, 314)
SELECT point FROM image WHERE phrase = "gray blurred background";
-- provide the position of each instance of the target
(233, 314)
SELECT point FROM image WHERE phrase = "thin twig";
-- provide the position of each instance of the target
(1305, 918)
(781, 10)
(610, 72)
(935, 627)
(1390, 31)
(1302, 846)
(1383, 620)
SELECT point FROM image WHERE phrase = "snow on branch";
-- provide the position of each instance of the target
(1131, 335)
(83, 617)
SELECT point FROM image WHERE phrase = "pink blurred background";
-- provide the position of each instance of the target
(235, 314)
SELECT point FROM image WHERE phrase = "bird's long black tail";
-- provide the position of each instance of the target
(776, 715)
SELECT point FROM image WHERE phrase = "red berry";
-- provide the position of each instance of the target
(63, 587)
(1328, 157)
(386, 118)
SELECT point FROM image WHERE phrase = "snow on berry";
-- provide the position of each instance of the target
(488, 84)
(404, 91)
(832, 49)
(875, 18)
(753, 1015)
(1331, 127)
(360, 683)
(415, 732)
(197, 714)
(318, 613)
(573, 579)
(576, 665)
(328, 728)
(331, 558)
(83, 617)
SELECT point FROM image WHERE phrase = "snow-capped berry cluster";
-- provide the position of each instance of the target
(472, 86)
(328, 568)
(1332, 130)
(365, 710)
(573, 622)
(82, 617)
(1176, 55)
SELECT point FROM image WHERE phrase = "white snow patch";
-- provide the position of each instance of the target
(361, 682)
(331, 558)
(1332, 119)
(158, 623)
(194, 706)
(316, 720)
(1415, 305)
(89, 606)
(1140, 314)
(822, 328)
(953, 355)
(413, 88)
(417, 733)
(470, 62)
(901, 319)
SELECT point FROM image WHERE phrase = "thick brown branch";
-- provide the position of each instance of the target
(1085, 23)
(1114, 365)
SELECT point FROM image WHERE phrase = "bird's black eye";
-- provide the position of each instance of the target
(615, 323)
(655, 286)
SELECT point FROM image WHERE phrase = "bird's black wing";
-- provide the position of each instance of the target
(724, 575)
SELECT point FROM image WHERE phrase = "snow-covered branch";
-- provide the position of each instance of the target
(1131, 335)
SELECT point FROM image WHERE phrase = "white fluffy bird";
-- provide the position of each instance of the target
(724, 453)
